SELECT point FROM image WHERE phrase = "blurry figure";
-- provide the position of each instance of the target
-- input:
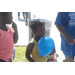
(65, 23)
(22, 13)
(34, 16)
(25, 16)
(26, 22)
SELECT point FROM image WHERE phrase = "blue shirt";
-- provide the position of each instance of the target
(67, 21)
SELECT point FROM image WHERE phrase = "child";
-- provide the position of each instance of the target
(32, 53)
(7, 36)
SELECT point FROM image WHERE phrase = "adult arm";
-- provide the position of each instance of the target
(68, 38)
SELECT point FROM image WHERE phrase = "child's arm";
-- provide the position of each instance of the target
(15, 37)
(68, 38)
(28, 52)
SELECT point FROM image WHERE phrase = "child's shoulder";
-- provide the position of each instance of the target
(31, 44)
(32, 40)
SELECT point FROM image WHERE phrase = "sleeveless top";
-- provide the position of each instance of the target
(6, 44)
(35, 54)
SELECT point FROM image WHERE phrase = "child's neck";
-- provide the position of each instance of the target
(37, 38)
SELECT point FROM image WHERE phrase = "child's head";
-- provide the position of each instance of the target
(6, 17)
(38, 28)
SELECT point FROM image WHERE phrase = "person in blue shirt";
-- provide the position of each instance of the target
(65, 23)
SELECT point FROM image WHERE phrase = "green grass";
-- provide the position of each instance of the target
(20, 54)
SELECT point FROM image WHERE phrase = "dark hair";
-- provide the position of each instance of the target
(3, 13)
(35, 24)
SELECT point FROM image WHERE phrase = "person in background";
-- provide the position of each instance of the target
(7, 37)
(22, 13)
(25, 16)
(65, 23)
(26, 22)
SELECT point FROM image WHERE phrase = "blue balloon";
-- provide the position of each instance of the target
(45, 46)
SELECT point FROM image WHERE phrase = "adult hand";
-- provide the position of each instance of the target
(69, 39)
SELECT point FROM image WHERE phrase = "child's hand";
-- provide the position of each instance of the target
(14, 26)
(52, 51)
(69, 39)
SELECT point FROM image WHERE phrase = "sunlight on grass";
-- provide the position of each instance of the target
(20, 54)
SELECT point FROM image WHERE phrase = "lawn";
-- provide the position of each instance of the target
(20, 54)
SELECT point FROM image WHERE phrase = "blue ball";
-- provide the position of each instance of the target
(45, 46)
